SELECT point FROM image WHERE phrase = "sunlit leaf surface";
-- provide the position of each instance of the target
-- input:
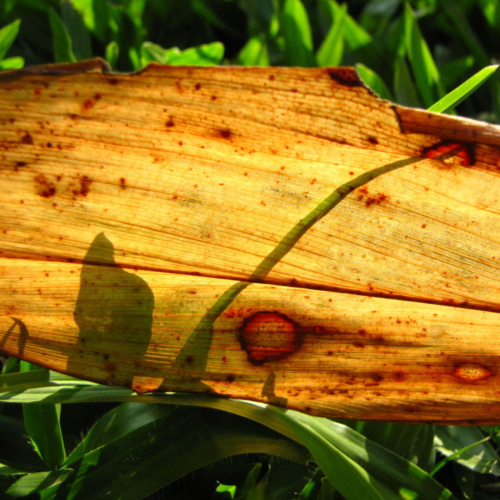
(272, 234)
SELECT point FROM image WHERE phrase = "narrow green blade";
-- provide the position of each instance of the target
(297, 34)
(254, 53)
(42, 424)
(374, 82)
(331, 50)
(424, 69)
(31, 484)
(7, 36)
(455, 97)
(61, 40)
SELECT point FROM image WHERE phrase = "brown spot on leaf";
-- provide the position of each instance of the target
(452, 153)
(269, 336)
(44, 187)
(345, 76)
(471, 372)
(27, 139)
(88, 104)
(84, 187)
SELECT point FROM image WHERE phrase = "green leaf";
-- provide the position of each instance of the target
(491, 11)
(61, 40)
(348, 477)
(452, 71)
(469, 447)
(32, 483)
(112, 53)
(143, 456)
(42, 424)
(423, 66)
(12, 63)
(80, 39)
(364, 48)
(254, 53)
(7, 36)
(327, 490)
(455, 97)
(332, 48)
(404, 88)
(204, 55)
(16, 450)
(297, 34)
(374, 81)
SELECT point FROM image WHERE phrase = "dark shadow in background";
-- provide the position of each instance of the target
(114, 312)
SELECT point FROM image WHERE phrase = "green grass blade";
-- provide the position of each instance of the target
(7, 36)
(404, 88)
(491, 12)
(77, 31)
(297, 34)
(31, 484)
(455, 97)
(364, 48)
(463, 444)
(111, 54)
(374, 81)
(61, 40)
(331, 50)
(12, 63)
(43, 426)
(424, 69)
(204, 55)
(453, 71)
(254, 53)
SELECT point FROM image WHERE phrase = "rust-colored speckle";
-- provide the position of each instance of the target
(97, 96)
(113, 81)
(269, 336)
(170, 122)
(344, 76)
(88, 104)
(225, 133)
(372, 140)
(197, 86)
(123, 182)
(371, 199)
(230, 378)
(471, 372)
(44, 187)
(84, 189)
(452, 153)
(19, 164)
(27, 139)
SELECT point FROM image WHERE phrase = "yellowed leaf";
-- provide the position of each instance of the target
(273, 234)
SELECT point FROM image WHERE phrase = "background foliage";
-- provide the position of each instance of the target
(105, 444)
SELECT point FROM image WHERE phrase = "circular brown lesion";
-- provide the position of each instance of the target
(472, 372)
(269, 336)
